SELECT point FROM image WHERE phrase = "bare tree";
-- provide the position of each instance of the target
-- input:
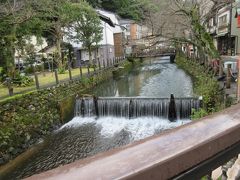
(183, 21)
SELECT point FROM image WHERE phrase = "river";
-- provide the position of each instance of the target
(84, 137)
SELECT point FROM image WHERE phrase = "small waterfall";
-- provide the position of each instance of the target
(134, 107)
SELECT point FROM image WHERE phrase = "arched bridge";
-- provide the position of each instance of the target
(188, 152)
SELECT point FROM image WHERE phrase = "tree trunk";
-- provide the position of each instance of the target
(59, 53)
(9, 56)
(90, 55)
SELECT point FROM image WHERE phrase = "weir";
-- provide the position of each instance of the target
(134, 107)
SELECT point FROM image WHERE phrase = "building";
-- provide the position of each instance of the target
(223, 26)
(119, 44)
(37, 45)
(235, 31)
(120, 37)
(224, 30)
(135, 35)
(106, 47)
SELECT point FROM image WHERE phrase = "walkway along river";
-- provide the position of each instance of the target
(87, 136)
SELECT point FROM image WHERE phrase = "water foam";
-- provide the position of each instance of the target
(139, 128)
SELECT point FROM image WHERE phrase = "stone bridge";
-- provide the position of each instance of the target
(157, 53)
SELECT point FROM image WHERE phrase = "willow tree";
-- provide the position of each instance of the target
(86, 27)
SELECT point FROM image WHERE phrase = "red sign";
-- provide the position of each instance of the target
(238, 18)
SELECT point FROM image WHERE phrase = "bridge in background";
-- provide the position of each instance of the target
(188, 152)
(157, 53)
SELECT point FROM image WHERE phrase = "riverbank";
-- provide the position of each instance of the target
(85, 137)
(27, 119)
(205, 85)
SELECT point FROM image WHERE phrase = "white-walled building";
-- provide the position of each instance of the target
(38, 45)
(110, 25)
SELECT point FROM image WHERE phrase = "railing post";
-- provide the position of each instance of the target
(94, 67)
(70, 73)
(88, 70)
(99, 64)
(36, 81)
(104, 64)
(110, 62)
(9, 85)
(80, 68)
(56, 76)
(200, 101)
(228, 83)
(220, 73)
(117, 60)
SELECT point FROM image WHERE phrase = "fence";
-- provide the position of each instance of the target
(49, 79)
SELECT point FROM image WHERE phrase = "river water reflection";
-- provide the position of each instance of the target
(83, 137)
(156, 78)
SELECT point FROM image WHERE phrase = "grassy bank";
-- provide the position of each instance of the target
(24, 119)
(204, 85)
(45, 79)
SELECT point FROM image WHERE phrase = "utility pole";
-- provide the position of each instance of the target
(238, 81)
(230, 30)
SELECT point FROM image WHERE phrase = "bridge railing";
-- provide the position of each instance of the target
(187, 152)
(153, 53)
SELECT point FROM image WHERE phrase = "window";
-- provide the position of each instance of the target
(128, 27)
(223, 20)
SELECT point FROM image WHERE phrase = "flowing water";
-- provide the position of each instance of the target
(134, 107)
(89, 135)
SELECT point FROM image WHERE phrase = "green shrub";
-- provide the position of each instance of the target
(22, 81)
(61, 70)
(93, 66)
(29, 70)
(198, 114)
(85, 81)
(3, 75)
(204, 84)
(39, 68)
